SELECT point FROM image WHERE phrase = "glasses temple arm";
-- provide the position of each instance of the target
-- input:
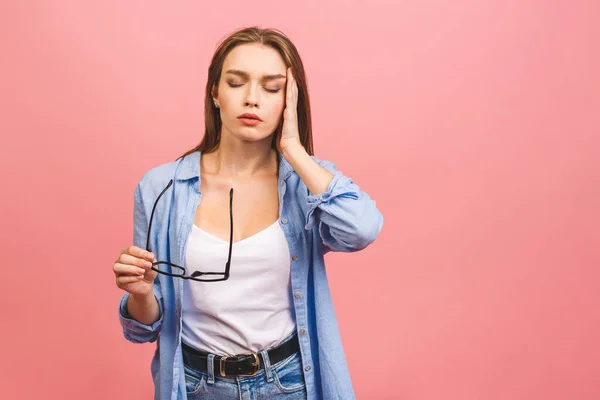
(230, 231)
(152, 214)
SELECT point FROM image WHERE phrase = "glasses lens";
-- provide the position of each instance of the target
(168, 268)
(207, 276)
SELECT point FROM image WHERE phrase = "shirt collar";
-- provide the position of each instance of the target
(189, 167)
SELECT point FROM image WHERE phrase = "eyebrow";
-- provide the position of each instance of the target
(244, 74)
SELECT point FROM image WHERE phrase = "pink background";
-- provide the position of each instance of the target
(474, 124)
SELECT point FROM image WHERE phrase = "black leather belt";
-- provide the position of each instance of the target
(238, 365)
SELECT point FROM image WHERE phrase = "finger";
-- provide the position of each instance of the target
(131, 260)
(124, 269)
(124, 280)
(288, 90)
(295, 93)
(295, 86)
(293, 89)
(140, 253)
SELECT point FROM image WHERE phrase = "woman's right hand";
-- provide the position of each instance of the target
(133, 273)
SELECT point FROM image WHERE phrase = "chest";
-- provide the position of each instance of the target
(254, 205)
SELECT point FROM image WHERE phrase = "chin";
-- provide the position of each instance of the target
(251, 135)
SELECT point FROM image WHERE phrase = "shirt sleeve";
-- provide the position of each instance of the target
(133, 330)
(346, 217)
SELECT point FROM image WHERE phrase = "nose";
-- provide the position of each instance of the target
(251, 97)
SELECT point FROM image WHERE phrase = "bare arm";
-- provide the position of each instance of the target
(144, 308)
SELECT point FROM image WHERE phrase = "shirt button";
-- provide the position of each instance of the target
(302, 331)
(294, 257)
(284, 221)
(307, 368)
(297, 295)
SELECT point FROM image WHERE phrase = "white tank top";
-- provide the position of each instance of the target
(253, 309)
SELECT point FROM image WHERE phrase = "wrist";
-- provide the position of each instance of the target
(146, 298)
(293, 150)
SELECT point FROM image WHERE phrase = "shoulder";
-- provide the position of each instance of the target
(156, 178)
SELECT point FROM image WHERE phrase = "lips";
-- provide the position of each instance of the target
(249, 121)
(250, 116)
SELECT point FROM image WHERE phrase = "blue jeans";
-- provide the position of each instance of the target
(283, 380)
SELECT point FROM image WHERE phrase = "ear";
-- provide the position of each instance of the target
(213, 92)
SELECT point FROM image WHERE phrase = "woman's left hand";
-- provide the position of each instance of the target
(290, 135)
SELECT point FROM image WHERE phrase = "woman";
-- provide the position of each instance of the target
(226, 268)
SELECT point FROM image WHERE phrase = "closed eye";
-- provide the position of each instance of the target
(234, 85)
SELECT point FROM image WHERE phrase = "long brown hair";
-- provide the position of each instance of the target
(280, 42)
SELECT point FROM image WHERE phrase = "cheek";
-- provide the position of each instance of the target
(224, 102)
(276, 109)
(228, 97)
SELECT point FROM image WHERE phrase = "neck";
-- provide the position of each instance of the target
(239, 159)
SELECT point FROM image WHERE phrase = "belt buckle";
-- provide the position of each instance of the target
(255, 364)
(222, 366)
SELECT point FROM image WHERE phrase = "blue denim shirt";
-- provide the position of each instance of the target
(344, 218)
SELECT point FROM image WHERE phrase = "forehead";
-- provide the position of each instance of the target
(256, 59)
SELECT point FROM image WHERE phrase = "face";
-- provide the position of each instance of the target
(253, 80)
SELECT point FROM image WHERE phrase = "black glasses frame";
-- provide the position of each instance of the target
(194, 275)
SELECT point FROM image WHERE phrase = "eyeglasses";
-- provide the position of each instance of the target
(211, 276)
